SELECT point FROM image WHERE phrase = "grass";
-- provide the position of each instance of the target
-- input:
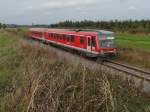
(33, 79)
(134, 41)
(7, 54)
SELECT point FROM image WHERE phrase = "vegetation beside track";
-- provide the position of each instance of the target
(134, 49)
(33, 78)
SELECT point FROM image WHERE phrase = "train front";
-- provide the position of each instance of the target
(106, 42)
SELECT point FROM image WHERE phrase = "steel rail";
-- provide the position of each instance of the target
(111, 64)
(130, 67)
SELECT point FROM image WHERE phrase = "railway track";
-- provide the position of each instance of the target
(129, 70)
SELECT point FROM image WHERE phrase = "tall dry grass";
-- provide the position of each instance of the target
(57, 86)
(50, 85)
(135, 57)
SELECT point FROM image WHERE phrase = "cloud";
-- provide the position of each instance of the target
(52, 4)
(51, 11)
(132, 8)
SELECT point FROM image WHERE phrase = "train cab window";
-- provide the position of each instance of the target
(93, 42)
(72, 38)
(81, 40)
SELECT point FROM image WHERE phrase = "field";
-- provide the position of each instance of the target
(31, 78)
(134, 41)
(134, 49)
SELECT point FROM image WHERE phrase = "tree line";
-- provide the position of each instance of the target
(3, 25)
(142, 26)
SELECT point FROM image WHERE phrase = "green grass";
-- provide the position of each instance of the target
(4, 76)
(8, 52)
(6, 40)
(8, 45)
(134, 41)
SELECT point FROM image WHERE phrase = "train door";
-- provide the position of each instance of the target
(89, 43)
(42, 35)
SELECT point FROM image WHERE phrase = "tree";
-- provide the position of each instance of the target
(123, 26)
(4, 26)
(0, 25)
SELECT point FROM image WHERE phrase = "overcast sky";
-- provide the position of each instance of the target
(52, 11)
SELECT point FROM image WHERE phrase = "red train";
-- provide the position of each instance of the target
(93, 43)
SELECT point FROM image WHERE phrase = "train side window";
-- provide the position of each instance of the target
(60, 36)
(49, 35)
(81, 40)
(72, 38)
(93, 42)
(55, 36)
(68, 38)
(52, 35)
(64, 37)
(39, 34)
(89, 42)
